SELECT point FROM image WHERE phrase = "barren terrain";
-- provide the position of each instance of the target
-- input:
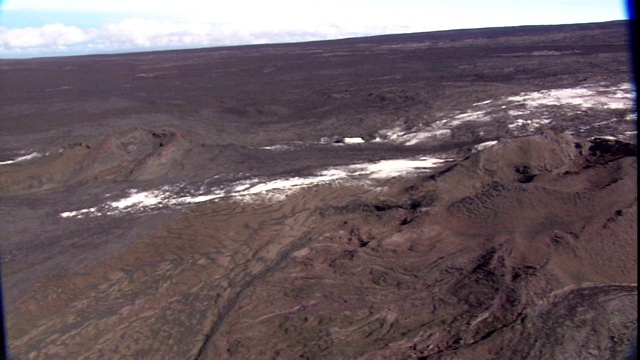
(463, 194)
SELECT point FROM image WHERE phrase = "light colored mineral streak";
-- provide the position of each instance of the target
(353, 140)
(80, 213)
(21, 158)
(589, 96)
(528, 125)
(386, 169)
(418, 137)
(145, 198)
(411, 137)
(254, 190)
(483, 146)
(390, 134)
(517, 112)
(276, 147)
(441, 129)
(480, 115)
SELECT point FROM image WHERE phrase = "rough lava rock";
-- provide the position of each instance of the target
(462, 194)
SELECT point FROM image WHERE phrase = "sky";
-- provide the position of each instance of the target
(36, 28)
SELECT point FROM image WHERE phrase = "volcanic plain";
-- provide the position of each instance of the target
(465, 194)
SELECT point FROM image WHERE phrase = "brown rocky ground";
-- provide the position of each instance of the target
(523, 249)
(440, 274)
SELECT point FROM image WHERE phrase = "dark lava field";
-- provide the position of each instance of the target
(465, 194)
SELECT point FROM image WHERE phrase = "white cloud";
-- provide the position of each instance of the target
(154, 33)
(145, 34)
(158, 24)
(50, 35)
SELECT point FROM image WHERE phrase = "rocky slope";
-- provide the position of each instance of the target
(506, 269)
(475, 260)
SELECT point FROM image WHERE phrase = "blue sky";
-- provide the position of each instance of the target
(32, 28)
